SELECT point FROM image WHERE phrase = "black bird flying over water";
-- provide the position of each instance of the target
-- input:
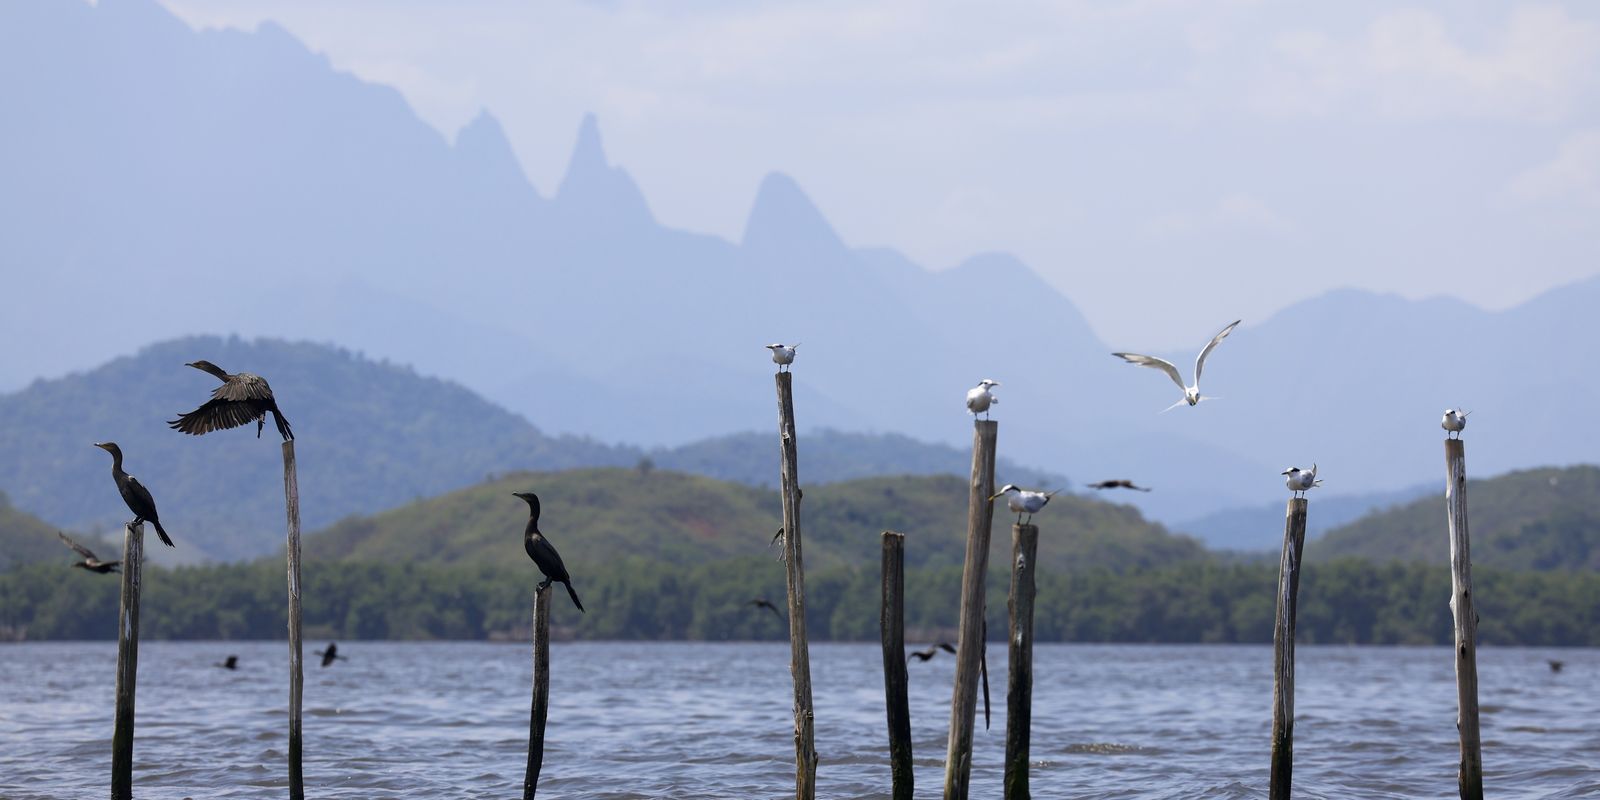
(1555, 666)
(231, 663)
(762, 602)
(542, 552)
(242, 398)
(329, 654)
(933, 650)
(89, 562)
(133, 492)
(1119, 484)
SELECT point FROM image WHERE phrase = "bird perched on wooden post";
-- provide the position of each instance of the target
(1118, 484)
(1023, 501)
(1454, 422)
(242, 398)
(542, 552)
(783, 354)
(1301, 481)
(89, 561)
(133, 493)
(1191, 394)
(329, 655)
(979, 398)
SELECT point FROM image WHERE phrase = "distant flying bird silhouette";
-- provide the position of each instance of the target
(1191, 394)
(762, 602)
(242, 398)
(783, 354)
(543, 553)
(1555, 666)
(1118, 484)
(330, 654)
(133, 493)
(979, 398)
(232, 662)
(1024, 501)
(933, 650)
(1454, 422)
(89, 561)
(1300, 481)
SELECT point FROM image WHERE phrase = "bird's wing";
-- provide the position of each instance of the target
(947, 647)
(1200, 362)
(549, 560)
(243, 386)
(1159, 363)
(216, 415)
(143, 494)
(81, 550)
(1175, 405)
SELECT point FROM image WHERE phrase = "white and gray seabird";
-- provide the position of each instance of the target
(782, 354)
(980, 398)
(1023, 501)
(1455, 421)
(1301, 481)
(1191, 394)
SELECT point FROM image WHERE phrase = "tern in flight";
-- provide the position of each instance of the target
(1024, 501)
(783, 354)
(1301, 481)
(980, 398)
(1455, 421)
(1191, 394)
(1118, 484)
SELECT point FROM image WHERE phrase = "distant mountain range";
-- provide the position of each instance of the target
(1260, 528)
(26, 539)
(157, 181)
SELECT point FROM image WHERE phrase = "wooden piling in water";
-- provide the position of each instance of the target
(291, 504)
(892, 621)
(1294, 540)
(805, 748)
(969, 648)
(1019, 684)
(1470, 776)
(127, 661)
(541, 691)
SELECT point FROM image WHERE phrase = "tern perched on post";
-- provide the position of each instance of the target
(980, 398)
(1191, 394)
(1455, 421)
(783, 354)
(1024, 501)
(1301, 481)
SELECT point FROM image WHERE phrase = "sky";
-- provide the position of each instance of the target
(1168, 166)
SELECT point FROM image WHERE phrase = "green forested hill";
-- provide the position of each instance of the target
(595, 516)
(1538, 519)
(25, 539)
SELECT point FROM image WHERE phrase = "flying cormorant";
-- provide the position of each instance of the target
(241, 399)
(542, 552)
(933, 650)
(762, 602)
(133, 492)
(231, 663)
(1118, 484)
(89, 562)
(329, 654)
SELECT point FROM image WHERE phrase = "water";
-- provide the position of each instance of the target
(448, 720)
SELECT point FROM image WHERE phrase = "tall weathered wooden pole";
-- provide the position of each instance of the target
(1019, 686)
(127, 661)
(541, 691)
(805, 748)
(963, 704)
(291, 503)
(893, 624)
(1294, 540)
(1470, 777)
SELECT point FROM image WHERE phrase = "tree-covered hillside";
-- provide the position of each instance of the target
(25, 539)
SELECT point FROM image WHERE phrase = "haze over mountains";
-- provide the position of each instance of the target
(167, 182)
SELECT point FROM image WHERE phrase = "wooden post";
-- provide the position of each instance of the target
(1019, 686)
(1294, 540)
(127, 661)
(805, 749)
(969, 648)
(893, 623)
(291, 503)
(1470, 777)
(541, 691)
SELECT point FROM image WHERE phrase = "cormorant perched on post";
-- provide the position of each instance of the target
(329, 654)
(133, 492)
(89, 562)
(542, 552)
(241, 399)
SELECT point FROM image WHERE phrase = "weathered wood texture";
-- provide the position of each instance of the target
(892, 621)
(291, 504)
(963, 703)
(1294, 540)
(1019, 685)
(541, 691)
(1470, 777)
(805, 747)
(127, 661)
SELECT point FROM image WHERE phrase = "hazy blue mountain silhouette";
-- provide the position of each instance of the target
(159, 181)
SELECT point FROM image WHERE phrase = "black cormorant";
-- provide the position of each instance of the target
(242, 398)
(329, 654)
(231, 663)
(543, 553)
(933, 650)
(762, 602)
(89, 562)
(1118, 484)
(133, 492)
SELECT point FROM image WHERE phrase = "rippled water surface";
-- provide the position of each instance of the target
(444, 720)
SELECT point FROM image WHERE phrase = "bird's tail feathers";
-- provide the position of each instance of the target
(165, 539)
(283, 426)
(574, 593)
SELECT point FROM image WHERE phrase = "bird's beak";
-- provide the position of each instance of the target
(101, 445)
(993, 496)
(1285, 472)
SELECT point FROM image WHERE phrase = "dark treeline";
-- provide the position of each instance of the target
(1352, 602)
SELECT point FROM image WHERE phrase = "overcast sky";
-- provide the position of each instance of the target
(1169, 166)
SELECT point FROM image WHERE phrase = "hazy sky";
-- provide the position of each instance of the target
(1169, 166)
